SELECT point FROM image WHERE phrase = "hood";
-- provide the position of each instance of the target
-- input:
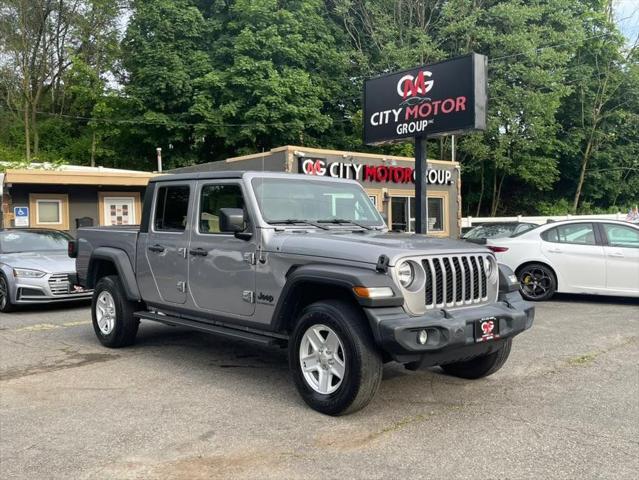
(365, 247)
(50, 262)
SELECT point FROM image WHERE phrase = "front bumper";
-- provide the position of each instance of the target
(46, 289)
(451, 336)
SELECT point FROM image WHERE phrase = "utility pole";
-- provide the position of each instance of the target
(159, 152)
(452, 148)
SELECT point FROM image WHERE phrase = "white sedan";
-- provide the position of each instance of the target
(573, 256)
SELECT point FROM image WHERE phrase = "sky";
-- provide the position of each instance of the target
(627, 18)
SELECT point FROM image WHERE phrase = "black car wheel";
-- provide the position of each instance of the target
(5, 296)
(537, 282)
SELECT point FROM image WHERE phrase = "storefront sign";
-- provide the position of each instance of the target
(371, 173)
(439, 99)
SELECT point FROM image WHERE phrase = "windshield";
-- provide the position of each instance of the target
(282, 199)
(492, 231)
(16, 241)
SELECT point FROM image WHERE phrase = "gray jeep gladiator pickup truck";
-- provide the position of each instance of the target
(303, 262)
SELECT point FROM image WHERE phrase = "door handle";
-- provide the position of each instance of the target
(615, 254)
(554, 250)
(157, 248)
(198, 252)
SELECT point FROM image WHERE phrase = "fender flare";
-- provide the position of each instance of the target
(122, 264)
(340, 276)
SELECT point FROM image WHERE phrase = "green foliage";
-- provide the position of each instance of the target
(209, 79)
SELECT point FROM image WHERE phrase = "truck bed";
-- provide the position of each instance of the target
(122, 237)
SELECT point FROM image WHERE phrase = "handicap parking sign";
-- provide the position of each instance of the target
(21, 216)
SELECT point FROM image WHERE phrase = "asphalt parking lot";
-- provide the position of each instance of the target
(186, 405)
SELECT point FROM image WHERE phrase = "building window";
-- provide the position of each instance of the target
(119, 208)
(436, 214)
(49, 210)
(403, 214)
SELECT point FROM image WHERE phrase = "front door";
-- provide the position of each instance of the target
(574, 252)
(622, 258)
(167, 240)
(221, 266)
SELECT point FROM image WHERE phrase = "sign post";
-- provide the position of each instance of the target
(421, 189)
(433, 100)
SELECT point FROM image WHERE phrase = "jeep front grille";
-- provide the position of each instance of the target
(59, 283)
(455, 281)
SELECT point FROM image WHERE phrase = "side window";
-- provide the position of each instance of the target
(550, 235)
(620, 236)
(578, 233)
(171, 209)
(212, 199)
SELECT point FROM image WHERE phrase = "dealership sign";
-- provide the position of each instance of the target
(432, 100)
(371, 173)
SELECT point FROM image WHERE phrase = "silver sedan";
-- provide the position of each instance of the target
(35, 268)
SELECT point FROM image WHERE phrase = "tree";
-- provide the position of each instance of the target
(281, 75)
(599, 115)
(41, 40)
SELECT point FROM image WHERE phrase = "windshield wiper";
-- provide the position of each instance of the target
(293, 221)
(341, 221)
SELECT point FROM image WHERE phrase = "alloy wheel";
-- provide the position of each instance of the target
(535, 282)
(105, 312)
(322, 359)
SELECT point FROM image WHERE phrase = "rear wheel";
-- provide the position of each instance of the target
(336, 365)
(112, 314)
(537, 282)
(482, 366)
(6, 305)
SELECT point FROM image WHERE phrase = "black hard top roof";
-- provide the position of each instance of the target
(196, 176)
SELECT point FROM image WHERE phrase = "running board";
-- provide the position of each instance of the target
(209, 328)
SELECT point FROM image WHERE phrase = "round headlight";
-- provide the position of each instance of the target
(405, 274)
(489, 266)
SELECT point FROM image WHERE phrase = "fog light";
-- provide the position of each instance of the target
(422, 337)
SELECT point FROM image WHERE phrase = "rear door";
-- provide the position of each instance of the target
(575, 251)
(621, 246)
(168, 238)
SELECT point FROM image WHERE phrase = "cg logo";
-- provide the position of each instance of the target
(314, 167)
(487, 327)
(409, 86)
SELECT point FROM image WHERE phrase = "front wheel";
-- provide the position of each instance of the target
(537, 282)
(481, 366)
(112, 314)
(6, 305)
(336, 366)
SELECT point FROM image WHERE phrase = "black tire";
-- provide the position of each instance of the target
(125, 326)
(482, 366)
(6, 305)
(537, 282)
(362, 358)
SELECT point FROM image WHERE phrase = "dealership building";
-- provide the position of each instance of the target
(388, 180)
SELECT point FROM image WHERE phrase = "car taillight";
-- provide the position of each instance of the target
(497, 249)
(72, 249)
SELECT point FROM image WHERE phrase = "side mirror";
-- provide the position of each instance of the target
(231, 220)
